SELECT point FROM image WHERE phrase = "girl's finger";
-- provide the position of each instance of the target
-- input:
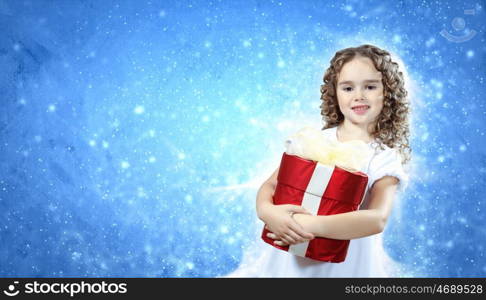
(299, 210)
(284, 239)
(297, 238)
(272, 236)
(280, 243)
(288, 239)
(294, 226)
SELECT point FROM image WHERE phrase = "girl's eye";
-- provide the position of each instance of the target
(349, 89)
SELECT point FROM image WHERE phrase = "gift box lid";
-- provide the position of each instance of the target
(296, 172)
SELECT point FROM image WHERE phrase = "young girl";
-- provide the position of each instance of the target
(363, 98)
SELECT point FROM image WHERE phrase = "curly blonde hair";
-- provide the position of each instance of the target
(392, 125)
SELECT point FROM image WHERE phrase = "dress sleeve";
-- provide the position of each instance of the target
(388, 163)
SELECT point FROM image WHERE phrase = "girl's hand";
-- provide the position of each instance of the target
(302, 219)
(283, 227)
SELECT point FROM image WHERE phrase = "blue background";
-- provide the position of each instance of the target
(134, 135)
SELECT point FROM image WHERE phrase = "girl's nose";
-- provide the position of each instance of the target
(358, 95)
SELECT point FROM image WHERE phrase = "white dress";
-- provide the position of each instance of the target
(366, 256)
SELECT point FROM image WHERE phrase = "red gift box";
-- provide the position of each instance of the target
(321, 190)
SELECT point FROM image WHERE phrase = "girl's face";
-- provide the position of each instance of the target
(360, 91)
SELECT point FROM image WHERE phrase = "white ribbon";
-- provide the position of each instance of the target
(311, 201)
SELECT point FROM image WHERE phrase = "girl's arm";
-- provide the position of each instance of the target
(356, 224)
(278, 218)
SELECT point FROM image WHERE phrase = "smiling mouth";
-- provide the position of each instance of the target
(361, 108)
